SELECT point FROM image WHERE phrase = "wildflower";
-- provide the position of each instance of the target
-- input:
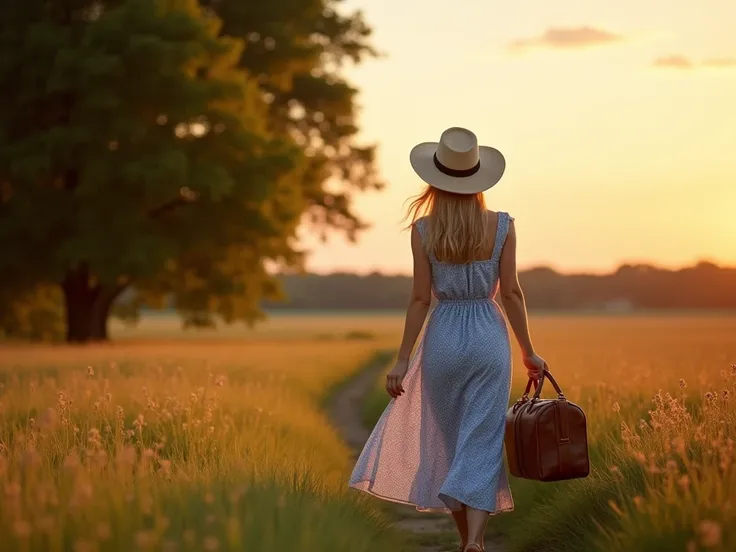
(45, 524)
(146, 504)
(639, 457)
(710, 533)
(162, 523)
(30, 458)
(211, 544)
(615, 507)
(83, 545)
(12, 490)
(81, 493)
(189, 536)
(90, 371)
(72, 462)
(103, 531)
(709, 397)
(144, 539)
(22, 528)
(683, 385)
(165, 466)
(726, 394)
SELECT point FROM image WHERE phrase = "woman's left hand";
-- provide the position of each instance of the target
(395, 378)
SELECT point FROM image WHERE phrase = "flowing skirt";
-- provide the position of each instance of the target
(440, 444)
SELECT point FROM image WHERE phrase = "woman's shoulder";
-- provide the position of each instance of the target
(421, 222)
(495, 215)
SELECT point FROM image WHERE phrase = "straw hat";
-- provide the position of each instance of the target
(457, 164)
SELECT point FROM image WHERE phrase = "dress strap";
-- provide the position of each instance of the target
(502, 230)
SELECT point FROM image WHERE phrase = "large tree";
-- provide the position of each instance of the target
(171, 145)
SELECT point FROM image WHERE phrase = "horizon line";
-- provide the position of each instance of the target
(531, 268)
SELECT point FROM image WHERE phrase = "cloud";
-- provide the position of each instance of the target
(678, 61)
(566, 38)
(675, 61)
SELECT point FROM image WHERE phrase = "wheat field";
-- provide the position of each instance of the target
(658, 392)
(173, 441)
(180, 445)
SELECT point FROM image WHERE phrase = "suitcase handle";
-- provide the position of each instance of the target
(538, 387)
(546, 373)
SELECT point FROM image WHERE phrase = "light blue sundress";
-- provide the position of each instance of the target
(440, 444)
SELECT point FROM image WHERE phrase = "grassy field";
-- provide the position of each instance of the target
(206, 444)
(299, 327)
(170, 440)
(658, 394)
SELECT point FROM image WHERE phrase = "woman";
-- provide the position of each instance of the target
(439, 443)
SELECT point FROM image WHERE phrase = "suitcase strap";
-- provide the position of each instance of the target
(546, 374)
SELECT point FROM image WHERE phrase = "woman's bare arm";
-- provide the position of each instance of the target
(421, 296)
(512, 296)
(416, 312)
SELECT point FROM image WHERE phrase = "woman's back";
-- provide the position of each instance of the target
(475, 279)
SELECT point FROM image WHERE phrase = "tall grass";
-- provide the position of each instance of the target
(659, 396)
(178, 447)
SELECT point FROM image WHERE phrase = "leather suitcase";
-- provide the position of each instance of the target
(546, 439)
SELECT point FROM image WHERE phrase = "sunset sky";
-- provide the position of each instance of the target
(617, 120)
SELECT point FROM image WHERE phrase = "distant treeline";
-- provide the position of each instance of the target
(703, 286)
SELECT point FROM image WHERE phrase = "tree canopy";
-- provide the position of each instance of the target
(175, 145)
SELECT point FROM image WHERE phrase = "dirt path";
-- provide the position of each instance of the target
(433, 531)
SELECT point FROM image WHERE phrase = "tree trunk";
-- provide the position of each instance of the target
(101, 312)
(79, 300)
(87, 307)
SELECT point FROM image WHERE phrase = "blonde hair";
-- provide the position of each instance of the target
(457, 227)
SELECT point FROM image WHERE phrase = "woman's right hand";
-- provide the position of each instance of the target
(395, 378)
(535, 365)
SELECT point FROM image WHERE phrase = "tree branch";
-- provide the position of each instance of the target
(186, 195)
(166, 207)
